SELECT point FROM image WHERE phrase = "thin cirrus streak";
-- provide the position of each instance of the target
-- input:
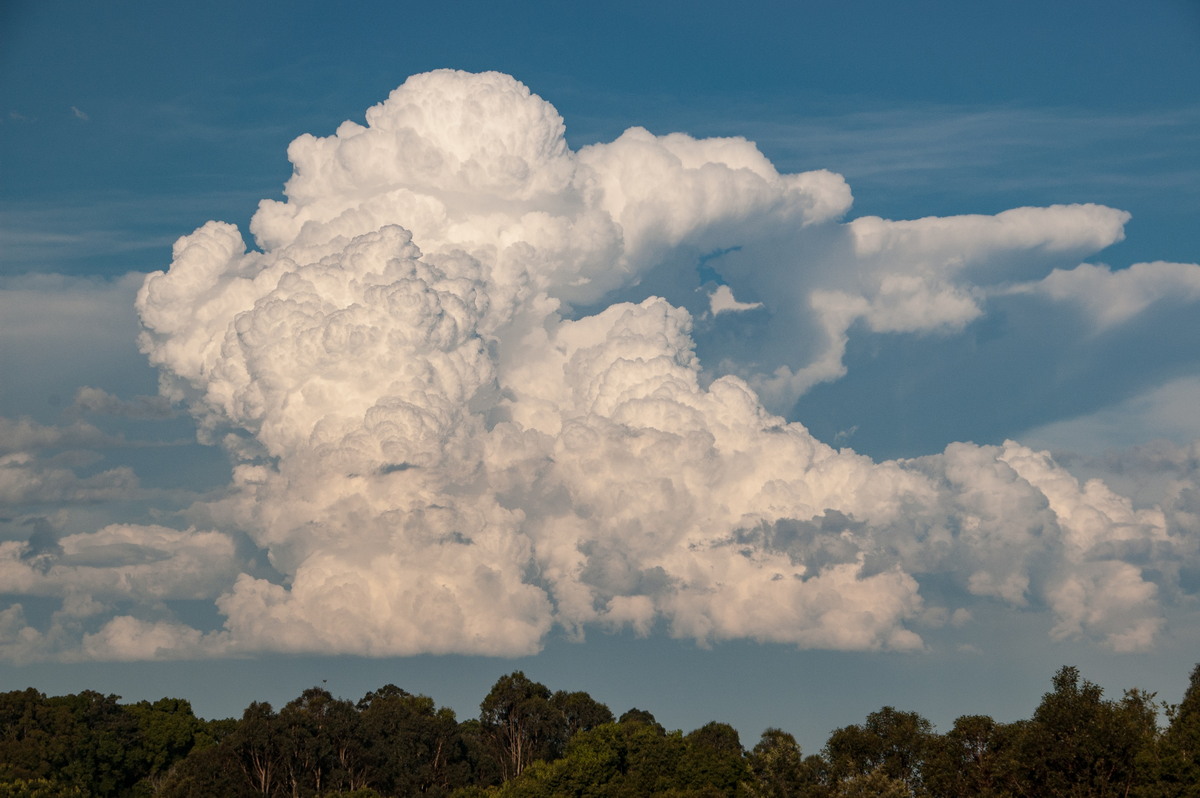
(449, 437)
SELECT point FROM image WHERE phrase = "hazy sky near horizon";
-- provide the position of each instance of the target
(760, 364)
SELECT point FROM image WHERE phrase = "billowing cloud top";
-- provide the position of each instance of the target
(450, 437)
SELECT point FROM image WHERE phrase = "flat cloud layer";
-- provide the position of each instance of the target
(459, 381)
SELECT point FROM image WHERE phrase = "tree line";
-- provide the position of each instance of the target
(530, 742)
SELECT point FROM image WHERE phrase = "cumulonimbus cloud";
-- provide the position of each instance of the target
(459, 380)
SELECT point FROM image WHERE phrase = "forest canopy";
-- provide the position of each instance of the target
(531, 742)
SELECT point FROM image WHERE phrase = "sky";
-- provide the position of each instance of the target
(761, 364)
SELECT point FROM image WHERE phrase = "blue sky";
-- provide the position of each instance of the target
(126, 126)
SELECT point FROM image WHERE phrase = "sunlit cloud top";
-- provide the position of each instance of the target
(477, 386)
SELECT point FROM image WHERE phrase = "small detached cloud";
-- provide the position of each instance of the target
(722, 300)
(124, 561)
(97, 401)
(24, 435)
(459, 418)
(26, 480)
(91, 572)
(82, 116)
(39, 465)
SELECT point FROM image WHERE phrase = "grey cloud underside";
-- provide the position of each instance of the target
(461, 383)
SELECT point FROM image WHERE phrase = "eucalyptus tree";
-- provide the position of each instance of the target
(521, 723)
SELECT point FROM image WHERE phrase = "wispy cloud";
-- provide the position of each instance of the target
(60, 235)
(1016, 148)
(99, 401)
(24, 434)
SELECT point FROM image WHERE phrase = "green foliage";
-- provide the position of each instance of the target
(316, 735)
(714, 760)
(633, 759)
(1172, 768)
(257, 748)
(471, 791)
(873, 784)
(778, 769)
(481, 761)
(652, 757)
(524, 723)
(580, 711)
(531, 743)
(1079, 744)
(91, 743)
(891, 743)
(609, 760)
(636, 715)
(521, 723)
(408, 746)
(206, 772)
(38, 788)
(31, 745)
(166, 732)
(977, 758)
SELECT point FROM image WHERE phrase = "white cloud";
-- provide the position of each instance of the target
(25, 479)
(100, 401)
(25, 434)
(125, 638)
(441, 451)
(959, 243)
(1112, 297)
(124, 561)
(1166, 412)
(721, 300)
(120, 638)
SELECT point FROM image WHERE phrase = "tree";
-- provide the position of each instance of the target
(482, 762)
(977, 758)
(591, 766)
(38, 788)
(257, 746)
(635, 715)
(714, 759)
(778, 769)
(521, 722)
(580, 711)
(24, 740)
(101, 740)
(892, 742)
(345, 745)
(1079, 744)
(874, 784)
(652, 759)
(167, 732)
(91, 742)
(320, 743)
(205, 772)
(1173, 769)
(410, 746)
(614, 760)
